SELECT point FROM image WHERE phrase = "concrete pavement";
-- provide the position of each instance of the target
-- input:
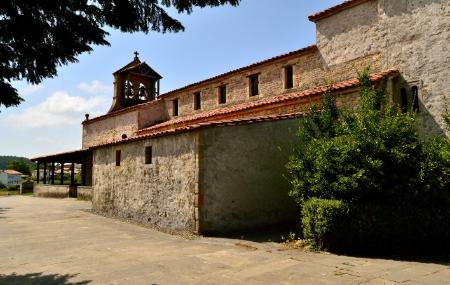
(56, 241)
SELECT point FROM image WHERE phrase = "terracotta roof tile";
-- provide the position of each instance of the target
(335, 9)
(132, 65)
(266, 101)
(12, 172)
(307, 49)
(124, 110)
(213, 117)
(219, 123)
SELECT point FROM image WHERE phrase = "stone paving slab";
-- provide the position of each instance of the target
(56, 241)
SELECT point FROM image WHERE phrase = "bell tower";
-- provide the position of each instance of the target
(135, 83)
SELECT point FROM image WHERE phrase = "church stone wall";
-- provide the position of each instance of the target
(160, 194)
(109, 129)
(241, 176)
(412, 36)
(309, 72)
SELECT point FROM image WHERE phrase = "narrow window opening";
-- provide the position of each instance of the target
(175, 107)
(289, 77)
(148, 155)
(222, 94)
(415, 98)
(197, 101)
(118, 156)
(254, 85)
(404, 100)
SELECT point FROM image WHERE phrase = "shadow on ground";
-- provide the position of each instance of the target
(39, 279)
(266, 234)
(441, 259)
(276, 234)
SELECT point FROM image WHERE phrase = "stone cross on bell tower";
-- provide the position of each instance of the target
(135, 83)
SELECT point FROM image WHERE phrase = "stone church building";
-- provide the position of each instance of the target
(210, 157)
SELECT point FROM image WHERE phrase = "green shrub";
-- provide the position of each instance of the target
(375, 228)
(13, 188)
(365, 180)
(322, 221)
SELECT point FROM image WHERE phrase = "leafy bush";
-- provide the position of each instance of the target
(365, 180)
(364, 227)
(322, 220)
(2, 186)
(13, 188)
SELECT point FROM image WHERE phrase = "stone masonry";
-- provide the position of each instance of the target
(219, 168)
(411, 35)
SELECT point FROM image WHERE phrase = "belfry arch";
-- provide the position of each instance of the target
(135, 83)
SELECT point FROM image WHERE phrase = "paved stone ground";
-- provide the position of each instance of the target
(46, 241)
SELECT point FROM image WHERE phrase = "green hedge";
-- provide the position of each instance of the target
(413, 226)
(366, 181)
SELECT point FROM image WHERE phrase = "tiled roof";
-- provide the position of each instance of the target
(74, 155)
(124, 110)
(307, 49)
(216, 117)
(335, 9)
(219, 123)
(283, 56)
(12, 172)
(266, 101)
(134, 63)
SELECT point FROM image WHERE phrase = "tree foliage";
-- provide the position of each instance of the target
(6, 159)
(38, 36)
(19, 165)
(368, 161)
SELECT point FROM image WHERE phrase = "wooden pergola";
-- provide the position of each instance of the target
(74, 157)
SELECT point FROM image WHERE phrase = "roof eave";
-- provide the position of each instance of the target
(335, 9)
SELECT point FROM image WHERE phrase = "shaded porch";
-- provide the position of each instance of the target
(62, 175)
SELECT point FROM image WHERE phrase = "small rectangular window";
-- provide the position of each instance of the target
(415, 98)
(148, 155)
(289, 77)
(197, 101)
(175, 107)
(118, 156)
(254, 85)
(222, 94)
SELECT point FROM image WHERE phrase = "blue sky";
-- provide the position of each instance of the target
(216, 40)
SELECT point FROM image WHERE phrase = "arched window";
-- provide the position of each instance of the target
(129, 93)
(143, 94)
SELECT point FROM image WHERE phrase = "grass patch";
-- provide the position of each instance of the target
(4, 192)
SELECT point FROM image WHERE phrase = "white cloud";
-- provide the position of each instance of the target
(30, 89)
(95, 87)
(58, 109)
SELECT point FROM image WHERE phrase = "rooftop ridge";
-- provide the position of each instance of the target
(266, 101)
(307, 49)
(335, 9)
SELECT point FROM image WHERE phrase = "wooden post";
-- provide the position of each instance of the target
(62, 173)
(44, 180)
(53, 172)
(72, 174)
(38, 172)
(83, 172)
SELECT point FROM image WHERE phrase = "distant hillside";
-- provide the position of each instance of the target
(5, 159)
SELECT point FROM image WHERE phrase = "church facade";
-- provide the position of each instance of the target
(210, 157)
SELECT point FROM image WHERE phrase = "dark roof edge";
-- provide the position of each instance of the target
(307, 49)
(227, 122)
(335, 9)
(304, 50)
